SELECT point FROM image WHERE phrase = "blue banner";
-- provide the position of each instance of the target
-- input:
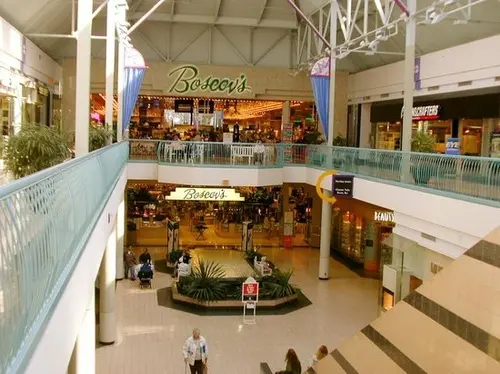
(321, 91)
(134, 74)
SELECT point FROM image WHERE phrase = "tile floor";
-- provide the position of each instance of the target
(150, 337)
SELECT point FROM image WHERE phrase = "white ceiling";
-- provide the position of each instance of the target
(241, 29)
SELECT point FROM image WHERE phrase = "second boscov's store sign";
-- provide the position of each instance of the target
(187, 79)
(205, 194)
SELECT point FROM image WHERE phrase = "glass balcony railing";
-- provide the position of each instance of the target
(464, 177)
(45, 221)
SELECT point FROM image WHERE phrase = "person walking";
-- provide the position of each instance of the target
(195, 352)
(320, 354)
(130, 262)
(292, 363)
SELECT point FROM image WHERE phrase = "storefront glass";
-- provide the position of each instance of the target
(388, 135)
(358, 235)
(404, 266)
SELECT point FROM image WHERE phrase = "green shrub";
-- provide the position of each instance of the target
(278, 285)
(99, 137)
(206, 283)
(34, 148)
(175, 255)
(422, 142)
(251, 255)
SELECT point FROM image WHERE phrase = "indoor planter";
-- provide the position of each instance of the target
(423, 167)
(207, 286)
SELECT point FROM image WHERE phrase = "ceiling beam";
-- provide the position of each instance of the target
(209, 20)
(217, 9)
(263, 6)
(172, 10)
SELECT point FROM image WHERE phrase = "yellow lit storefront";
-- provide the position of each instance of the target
(358, 231)
(473, 120)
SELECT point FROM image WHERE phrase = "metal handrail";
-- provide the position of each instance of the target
(45, 221)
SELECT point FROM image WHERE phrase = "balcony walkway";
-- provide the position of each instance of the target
(463, 177)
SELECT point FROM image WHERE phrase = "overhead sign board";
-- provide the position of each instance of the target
(343, 185)
(205, 194)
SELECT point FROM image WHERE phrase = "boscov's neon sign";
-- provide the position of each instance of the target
(205, 194)
(186, 79)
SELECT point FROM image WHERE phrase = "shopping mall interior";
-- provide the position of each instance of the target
(235, 186)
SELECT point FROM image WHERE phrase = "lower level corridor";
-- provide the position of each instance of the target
(150, 336)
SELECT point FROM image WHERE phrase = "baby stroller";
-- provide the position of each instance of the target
(145, 275)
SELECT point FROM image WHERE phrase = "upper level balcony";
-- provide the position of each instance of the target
(473, 179)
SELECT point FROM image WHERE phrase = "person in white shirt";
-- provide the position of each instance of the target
(195, 352)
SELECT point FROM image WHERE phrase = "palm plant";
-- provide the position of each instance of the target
(205, 283)
(278, 285)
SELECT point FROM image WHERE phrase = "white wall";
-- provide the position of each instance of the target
(54, 350)
(474, 65)
(21, 54)
(194, 176)
(450, 226)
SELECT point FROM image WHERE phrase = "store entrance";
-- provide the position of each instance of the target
(202, 223)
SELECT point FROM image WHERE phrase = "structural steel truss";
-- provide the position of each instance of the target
(363, 25)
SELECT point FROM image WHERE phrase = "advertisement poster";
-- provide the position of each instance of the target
(453, 146)
(287, 138)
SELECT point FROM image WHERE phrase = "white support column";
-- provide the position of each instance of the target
(365, 125)
(121, 76)
(18, 109)
(107, 277)
(409, 76)
(326, 207)
(83, 357)
(285, 112)
(120, 239)
(83, 61)
(110, 64)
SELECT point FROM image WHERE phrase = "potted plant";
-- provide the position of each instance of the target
(422, 167)
(99, 136)
(33, 149)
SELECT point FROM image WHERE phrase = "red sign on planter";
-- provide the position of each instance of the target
(250, 289)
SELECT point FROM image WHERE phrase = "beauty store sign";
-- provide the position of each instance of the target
(205, 194)
(188, 79)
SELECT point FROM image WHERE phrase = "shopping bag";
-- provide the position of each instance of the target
(205, 369)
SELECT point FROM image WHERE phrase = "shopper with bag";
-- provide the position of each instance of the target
(195, 353)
